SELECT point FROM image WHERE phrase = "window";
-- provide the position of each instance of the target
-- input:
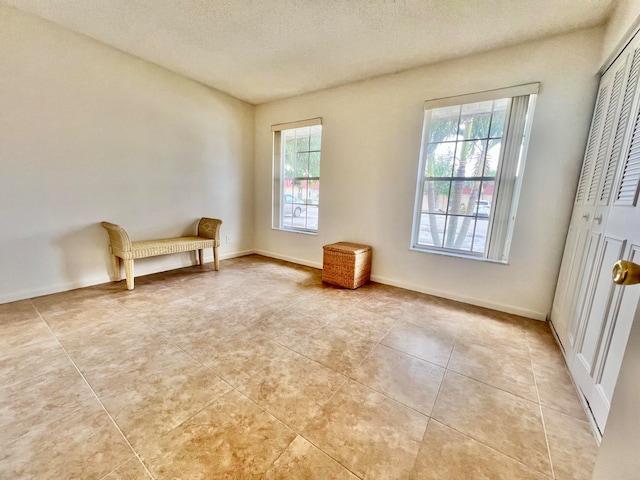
(469, 174)
(296, 175)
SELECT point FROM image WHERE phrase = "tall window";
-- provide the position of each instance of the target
(471, 163)
(296, 175)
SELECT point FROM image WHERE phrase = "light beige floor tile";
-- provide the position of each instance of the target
(38, 401)
(497, 331)
(501, 420)
(367, 432)
(335, 348)
(427, 344)
(231, 438)
(434, 313)
(447, 454)
(557, 391)
(364, 323)
(287, 327)
(159, 402)
(302, 461)
(17, 336)
(131, 470)
(83, 445)
(112, 363)
(513, 374)
(292, 388)
(242, 356)
(572, 445)
(17, 312)
(404, 378)
(32, 360)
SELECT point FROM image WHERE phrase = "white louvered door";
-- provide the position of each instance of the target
(580, 244)
(596, 315)
(609, 309)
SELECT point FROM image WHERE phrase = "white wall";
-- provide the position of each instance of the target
(371, 143)
(89, 134)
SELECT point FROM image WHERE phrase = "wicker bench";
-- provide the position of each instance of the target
(121, 247)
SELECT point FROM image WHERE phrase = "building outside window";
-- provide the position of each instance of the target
(296, 175)
(470, 171)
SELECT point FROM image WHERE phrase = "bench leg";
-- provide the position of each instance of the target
(201, 256)
(115, 265)
(128, 270)
(216, 261)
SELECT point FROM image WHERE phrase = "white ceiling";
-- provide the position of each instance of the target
(263, 50)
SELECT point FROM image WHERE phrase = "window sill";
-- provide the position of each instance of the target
(293, 230)
(458, 255)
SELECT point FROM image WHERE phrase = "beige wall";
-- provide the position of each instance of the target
(371, 142)
(89, 134)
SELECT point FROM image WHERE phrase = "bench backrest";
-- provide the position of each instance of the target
(118, 238)
(209, 228)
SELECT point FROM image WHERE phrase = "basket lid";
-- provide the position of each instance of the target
(346, 247)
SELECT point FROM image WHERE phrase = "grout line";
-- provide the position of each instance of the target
(113, 421)
(544, 425)
(490, 447)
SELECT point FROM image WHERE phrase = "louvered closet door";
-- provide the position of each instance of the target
(606, 311)
(580, 244)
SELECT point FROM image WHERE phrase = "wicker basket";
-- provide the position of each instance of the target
(346, 264)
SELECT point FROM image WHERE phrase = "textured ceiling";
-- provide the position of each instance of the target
(263, 50)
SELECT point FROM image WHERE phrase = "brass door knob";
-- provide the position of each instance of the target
(626, 273)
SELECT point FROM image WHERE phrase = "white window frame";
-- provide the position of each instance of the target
(508, 177)
(278, 208)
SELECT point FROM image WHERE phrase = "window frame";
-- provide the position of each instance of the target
(508, 178)
(278, 178)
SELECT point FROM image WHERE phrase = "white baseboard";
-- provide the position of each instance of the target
(287, 258)
(105, 278)
(523, 312)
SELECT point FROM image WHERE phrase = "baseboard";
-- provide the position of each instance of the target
(287, 258)
(523, 312)
(105, 278)
(56, 288)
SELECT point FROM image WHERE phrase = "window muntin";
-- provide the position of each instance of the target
(297, 153)
(465, 199)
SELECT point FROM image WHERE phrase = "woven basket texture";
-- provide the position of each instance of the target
(346, 264)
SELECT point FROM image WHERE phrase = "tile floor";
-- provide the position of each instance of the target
(259, 371)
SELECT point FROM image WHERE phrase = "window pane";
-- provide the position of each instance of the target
(444, 124)
(499, 115)
(459, 197)
(431, 229)
(475, 119)
(493, 156)
(440, 159)
(314, 192)
(470, 158)
(458, 235)
(302, 140)
(480, 237)
(316, 138)
(435, 196)
(314, 164)
(302, 165)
